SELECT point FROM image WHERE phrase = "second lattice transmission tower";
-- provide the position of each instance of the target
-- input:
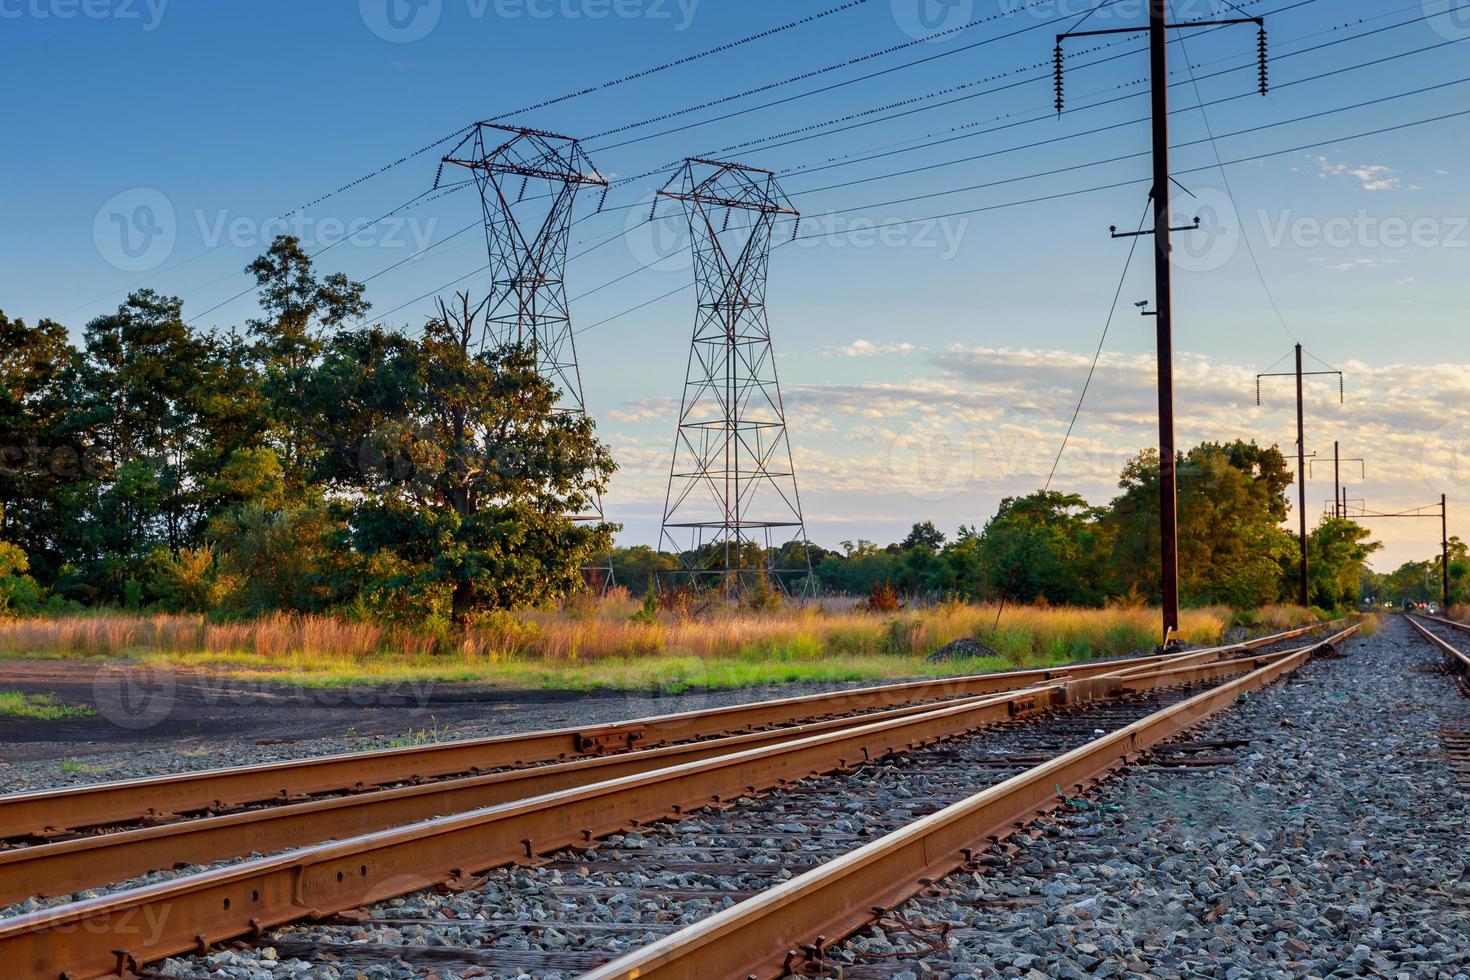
(732, 510)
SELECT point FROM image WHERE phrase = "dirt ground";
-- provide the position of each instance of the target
(144, 707)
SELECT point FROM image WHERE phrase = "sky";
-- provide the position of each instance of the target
(937, 316)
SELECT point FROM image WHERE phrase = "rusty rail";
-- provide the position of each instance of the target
(65, 867)
(49, 814)
(760, 936)
(1457, 660)
(119, 932)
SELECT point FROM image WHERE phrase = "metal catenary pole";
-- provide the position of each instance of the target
(1304, 592)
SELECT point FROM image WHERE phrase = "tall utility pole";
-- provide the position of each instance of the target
(1300, 374)
(1158, 45)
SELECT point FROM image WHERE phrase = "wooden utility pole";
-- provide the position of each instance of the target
(1158, 46)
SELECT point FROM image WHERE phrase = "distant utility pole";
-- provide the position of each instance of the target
(1444, 543)
(1158, 35)
(1339, 493)
(1301, 454)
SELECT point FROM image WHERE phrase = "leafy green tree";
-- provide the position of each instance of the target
(1338, 552)
(1044, 545)
(924, 537)
(640, 568)
(42, 454)
(468, 476)
(138, 385)
(301, 309)
(19, 593)
(1232, 548)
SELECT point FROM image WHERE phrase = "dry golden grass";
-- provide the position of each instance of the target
(603, 644)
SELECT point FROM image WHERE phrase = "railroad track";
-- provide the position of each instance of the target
(1457, 665)
(102, 936)
(61, 866)
(50, 815)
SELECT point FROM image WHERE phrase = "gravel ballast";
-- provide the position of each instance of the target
(1337, 845)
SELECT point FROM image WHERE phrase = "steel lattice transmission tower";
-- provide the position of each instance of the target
(732, 509)
(526, 236)
(526, 239)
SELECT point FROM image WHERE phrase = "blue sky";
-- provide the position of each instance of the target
(928, 370)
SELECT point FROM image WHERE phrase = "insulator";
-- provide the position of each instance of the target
(438, 174)
(1261, 56)
(726, 225)
(796, 228)
(603, 199)
(524, 181)
(1258, 392)
(652, 208)
(1341, 390)
(1057, 71)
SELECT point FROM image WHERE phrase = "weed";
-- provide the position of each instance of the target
(41, 707)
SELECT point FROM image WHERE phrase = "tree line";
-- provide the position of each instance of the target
(306, 463)
(313, 462)
(1058, 548)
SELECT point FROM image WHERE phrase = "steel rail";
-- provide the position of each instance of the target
(116, 933)
(761, 936)
(65, 867)
(1457, 659)
(44, 814)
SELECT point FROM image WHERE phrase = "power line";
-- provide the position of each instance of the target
(687, 59)
(1250, 248)
(836, 66)
(860, 78)
(1142, 153)
(1097, 355)
(1141, 180)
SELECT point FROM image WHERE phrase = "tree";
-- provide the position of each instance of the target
(1338, 552)
(41, 454)
(467, 472)
(19, 593)
(136, 405)
(924, 537)
(301, 309)
(1232, 548)
(1044, 545)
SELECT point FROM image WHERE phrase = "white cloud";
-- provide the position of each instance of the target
(866, 348)
(1372, 176)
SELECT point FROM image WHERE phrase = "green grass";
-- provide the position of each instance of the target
(41, 707)
(669, 673)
